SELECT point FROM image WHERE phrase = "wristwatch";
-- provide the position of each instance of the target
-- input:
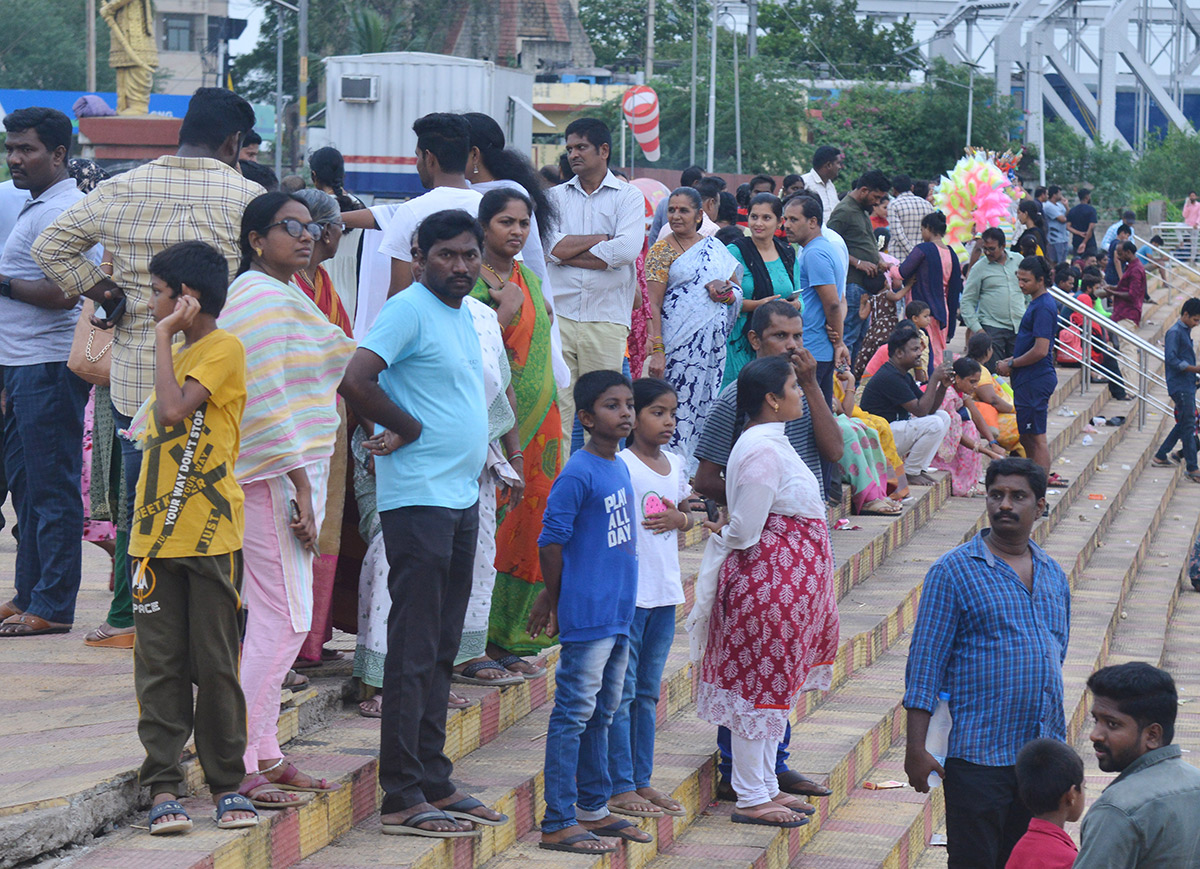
(6, 288)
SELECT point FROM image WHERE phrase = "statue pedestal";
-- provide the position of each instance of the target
(117, 138)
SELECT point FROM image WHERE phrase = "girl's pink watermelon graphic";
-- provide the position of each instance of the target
(652, 504)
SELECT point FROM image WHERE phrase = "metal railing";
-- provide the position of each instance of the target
(1142, 351)
(1174, 259)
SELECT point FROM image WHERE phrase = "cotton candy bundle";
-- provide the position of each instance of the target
(976, 195)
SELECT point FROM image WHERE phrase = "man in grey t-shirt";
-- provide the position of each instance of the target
(43, 414)
(775, 330)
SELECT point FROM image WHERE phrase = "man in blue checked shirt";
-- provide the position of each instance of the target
(992, 631)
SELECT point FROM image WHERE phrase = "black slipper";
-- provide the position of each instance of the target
(791, 782)
(568, 843)
(621, 829)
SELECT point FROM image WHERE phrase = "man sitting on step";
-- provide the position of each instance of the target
(918, 424)
(992, 632)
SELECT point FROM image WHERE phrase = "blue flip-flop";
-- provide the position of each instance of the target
(234, 803)
(170, 807)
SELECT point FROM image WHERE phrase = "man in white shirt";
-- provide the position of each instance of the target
(600, 234)
(827, 165)
(443, 143)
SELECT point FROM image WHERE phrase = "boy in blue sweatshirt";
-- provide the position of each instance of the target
(589, 562)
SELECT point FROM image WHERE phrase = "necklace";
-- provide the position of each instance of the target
(497, 274)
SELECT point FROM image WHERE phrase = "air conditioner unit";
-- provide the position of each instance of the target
(360, 89)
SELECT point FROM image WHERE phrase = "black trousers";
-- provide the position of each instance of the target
(1004, 341)
(431, 553)
(984, 814)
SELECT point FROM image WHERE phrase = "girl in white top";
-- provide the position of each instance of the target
(765, 622)
(660, 485)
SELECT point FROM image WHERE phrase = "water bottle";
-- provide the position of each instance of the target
(937, 738)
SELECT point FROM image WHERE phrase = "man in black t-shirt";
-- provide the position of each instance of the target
(917, 423)
(1081, 224)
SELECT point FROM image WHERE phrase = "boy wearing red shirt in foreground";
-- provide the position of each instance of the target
(1050, 781)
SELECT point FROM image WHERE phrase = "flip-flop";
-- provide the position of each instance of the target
(258, 781)
(370, 713)
(759, 820)
(289, 774)
(468, 677)
(293, 681)
(101, 638)
(8, 610)
(170, 807)
(1054, 481)
(881, 507)
(667, 810)
(568, 844)
(462, 703)
(619, 809)
(30, 626)
(408, 827)
(462, 812)
(234, 803)
(508, 660)
(792, 782)
(797, 805)
(626, 830)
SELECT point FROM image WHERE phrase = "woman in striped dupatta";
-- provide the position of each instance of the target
(338, 529)
(295, 359)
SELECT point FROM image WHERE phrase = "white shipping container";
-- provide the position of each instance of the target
(373, 99)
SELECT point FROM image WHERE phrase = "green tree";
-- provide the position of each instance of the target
(617, 29)
(826, 37)
(1073, 161)
(43, 47)
(370, 32)
(1171, 166)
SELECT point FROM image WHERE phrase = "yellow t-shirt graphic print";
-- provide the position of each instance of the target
(188, 502)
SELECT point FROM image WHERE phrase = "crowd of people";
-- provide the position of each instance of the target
(494, 450)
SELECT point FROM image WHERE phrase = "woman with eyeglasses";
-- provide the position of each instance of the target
(295, 359)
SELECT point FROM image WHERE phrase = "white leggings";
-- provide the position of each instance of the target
(754, 779)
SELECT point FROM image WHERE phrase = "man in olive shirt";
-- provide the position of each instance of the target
(992, 301)
(851, 219)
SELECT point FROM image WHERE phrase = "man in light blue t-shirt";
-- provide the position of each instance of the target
(1057, 234)
(418, 375)
(821, 281)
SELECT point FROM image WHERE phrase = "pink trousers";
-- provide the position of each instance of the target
(273, 560)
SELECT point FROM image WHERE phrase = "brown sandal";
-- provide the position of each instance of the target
(105, 637)
(28, 625)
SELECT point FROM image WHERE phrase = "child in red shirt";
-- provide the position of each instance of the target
(1050, 782)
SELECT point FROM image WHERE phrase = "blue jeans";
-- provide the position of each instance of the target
(131, 466)
(854, 328)
(43, 455)
(725, 764)
(631, 736)
(589, 679)
(1185, 429)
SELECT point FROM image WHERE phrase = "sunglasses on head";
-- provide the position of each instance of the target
(295, 228)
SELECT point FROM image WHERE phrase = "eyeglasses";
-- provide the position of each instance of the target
(295, 228)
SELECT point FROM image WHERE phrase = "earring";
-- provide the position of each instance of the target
(476, 172)
(775, 407)
(258, 251)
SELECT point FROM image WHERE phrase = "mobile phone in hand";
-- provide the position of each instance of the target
(293, 510)
(111, 318)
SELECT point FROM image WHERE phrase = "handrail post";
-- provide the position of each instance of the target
(1085, 357)
(1143, 387)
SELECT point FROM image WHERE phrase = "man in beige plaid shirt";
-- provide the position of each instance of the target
(196, 194)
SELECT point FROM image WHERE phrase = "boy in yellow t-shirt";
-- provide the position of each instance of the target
(187, 541)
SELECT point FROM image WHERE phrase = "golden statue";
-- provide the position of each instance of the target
(133, 53)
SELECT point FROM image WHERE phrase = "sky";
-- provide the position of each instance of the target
(253, 13)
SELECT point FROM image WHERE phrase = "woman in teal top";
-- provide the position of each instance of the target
(767, 265)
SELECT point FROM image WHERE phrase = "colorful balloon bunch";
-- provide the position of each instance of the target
(977, 194)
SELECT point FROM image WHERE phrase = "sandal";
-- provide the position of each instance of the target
(624, 809)
(409, 827)
(508, 661)
(792, 782)
(881, 507)
(796, 804)
(469, 676)
(170, 807)
(626, 830)
(290, 774)
(258, 782)
(1054, 481)
(28, 625)
(669, 806)
(758, 815)
(1194, 476)
(461, 811)
(293, 681)
(458, 702)
(108, 637)
(8, 610)
(1162, 463)
(234, 803)
(569, 845)
(371, 707)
